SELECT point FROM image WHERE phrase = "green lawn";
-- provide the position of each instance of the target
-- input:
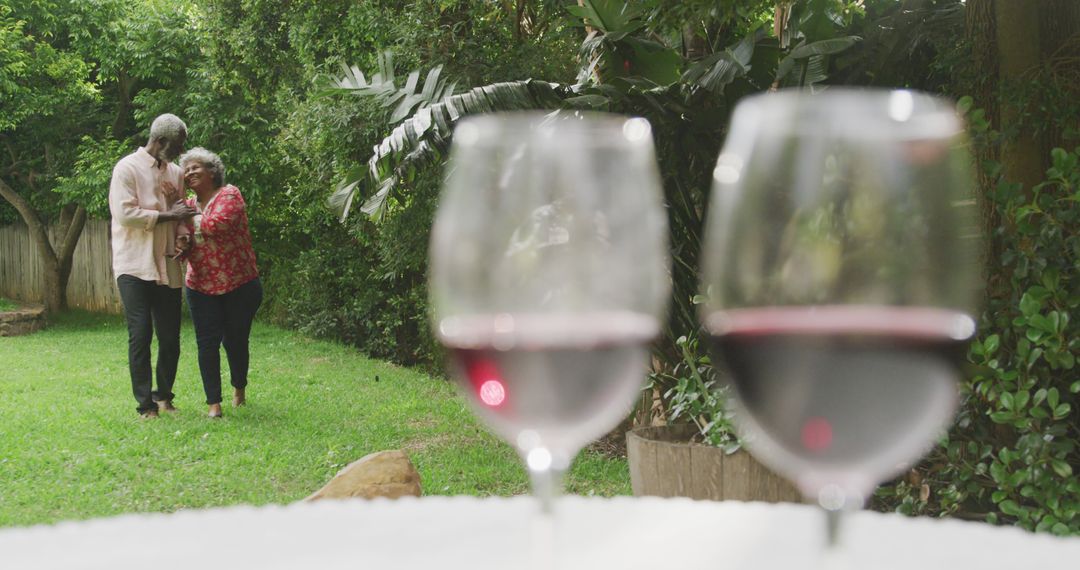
(71, 446)
(6, 305)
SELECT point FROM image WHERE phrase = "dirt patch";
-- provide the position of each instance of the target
(421, 443)
(612, 445)
(419, 423)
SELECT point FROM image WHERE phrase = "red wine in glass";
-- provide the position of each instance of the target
(842, 395)
(561, 380)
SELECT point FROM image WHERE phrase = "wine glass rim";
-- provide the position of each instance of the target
(539, 127)
(866, 113)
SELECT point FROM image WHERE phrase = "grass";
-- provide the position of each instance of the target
(6, 305)
(71, 446)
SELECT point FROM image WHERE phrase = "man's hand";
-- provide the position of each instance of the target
(172, 193)
(176, 212)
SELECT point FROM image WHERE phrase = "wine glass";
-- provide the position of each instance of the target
(841, 274)
(549, 277)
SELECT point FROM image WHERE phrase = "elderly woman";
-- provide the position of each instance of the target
(222, 283)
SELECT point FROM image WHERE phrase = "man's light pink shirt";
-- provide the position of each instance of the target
(142, 247)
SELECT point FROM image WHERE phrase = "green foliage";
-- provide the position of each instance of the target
(909, 44)
(39, 77)
(366, 289)
(696, 393)
(71, 78)
(1012, 456)
(46, 93)
(91, 174)
(613, 51)
(1025, 385)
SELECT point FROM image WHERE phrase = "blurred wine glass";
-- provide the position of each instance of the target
(841, 272)
(549, 277)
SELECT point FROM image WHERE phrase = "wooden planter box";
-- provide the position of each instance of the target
(663, 463)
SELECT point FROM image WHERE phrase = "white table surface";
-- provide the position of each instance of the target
(465, 532)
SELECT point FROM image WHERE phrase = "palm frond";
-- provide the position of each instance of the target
(426, 134)
(719, 69)
(824, 47)
(802, 59)
(817, 70)
(404, 100)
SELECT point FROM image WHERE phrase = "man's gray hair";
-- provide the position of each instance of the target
(208, 160)
(168, 127)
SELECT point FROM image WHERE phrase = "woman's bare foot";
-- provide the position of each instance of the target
(215, 411)
(239, 397)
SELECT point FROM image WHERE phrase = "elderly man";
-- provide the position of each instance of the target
(144, 199)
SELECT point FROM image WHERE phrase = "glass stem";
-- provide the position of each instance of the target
(834, 500)
(832, 527)
(547, 485)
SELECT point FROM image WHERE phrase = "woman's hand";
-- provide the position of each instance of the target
(182, 245)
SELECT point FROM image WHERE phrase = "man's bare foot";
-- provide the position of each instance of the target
(215, 411)
(239, 397)
(166, 407)
(149, 415)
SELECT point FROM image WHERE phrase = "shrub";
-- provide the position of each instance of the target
(694, 392)
(1013, 452)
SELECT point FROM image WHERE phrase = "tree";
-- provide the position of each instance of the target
(1017, 23)
(72, 77)
(43, 85)
(1023, 74)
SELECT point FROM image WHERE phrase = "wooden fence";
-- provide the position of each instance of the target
(91, 285)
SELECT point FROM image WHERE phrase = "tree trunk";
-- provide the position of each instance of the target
(588, 29)
(54, 297)
(70, 234)
(123, 105)
(56, 269)
(1059, 25)
(981, 38)
(1059, 22)
(694, 45)
(1017, 23)
(519, 21)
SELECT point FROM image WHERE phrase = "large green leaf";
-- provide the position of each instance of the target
(612, 17)
(653, 61)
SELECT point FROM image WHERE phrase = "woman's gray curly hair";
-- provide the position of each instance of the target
(208, 160)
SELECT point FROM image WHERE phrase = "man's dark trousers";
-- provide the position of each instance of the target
(151, 308)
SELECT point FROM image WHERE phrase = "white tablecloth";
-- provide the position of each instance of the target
(464, 532)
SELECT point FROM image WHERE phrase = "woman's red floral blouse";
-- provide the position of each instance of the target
(222, 258)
